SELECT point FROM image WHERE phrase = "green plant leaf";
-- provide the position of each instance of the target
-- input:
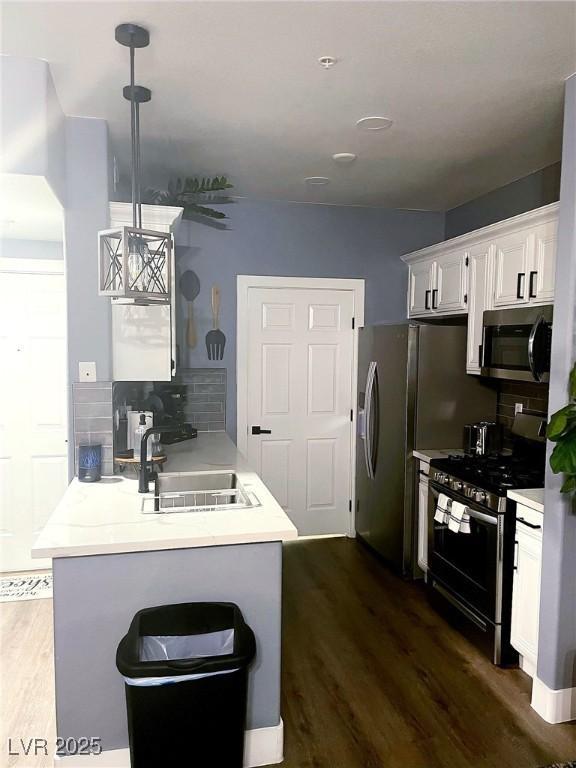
(572, 386)
(563, 457)
(560, 422)
(569, 484)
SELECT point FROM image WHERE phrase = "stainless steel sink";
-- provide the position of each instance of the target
(197, 492)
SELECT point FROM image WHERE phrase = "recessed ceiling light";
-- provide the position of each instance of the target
(317, 181)
(374, 123)
(327, 61)
(344, 157)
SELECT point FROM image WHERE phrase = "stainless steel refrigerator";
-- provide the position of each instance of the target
(413, 392)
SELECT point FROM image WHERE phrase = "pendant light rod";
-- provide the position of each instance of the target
(133, 36)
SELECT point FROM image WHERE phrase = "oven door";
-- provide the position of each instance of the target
(468, 564)
(516, 344)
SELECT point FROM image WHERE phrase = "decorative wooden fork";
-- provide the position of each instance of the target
(215, 339)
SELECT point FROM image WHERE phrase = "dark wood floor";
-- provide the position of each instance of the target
(373, 678)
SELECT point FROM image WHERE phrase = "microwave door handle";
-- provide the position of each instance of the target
(531, 344)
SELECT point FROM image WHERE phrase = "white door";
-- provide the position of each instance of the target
(526, 594)
(479, 286)
(299, 362)
(33, 412)
(543, 277)
(421, 275)
(513, 260)
(450, 292)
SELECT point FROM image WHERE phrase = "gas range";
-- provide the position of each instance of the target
(486, 480)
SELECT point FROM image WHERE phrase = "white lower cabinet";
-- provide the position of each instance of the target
(423, 518)
(526, 594)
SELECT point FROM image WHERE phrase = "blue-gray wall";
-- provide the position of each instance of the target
(532, 191)
(31, 249)
(296, 239)
(557, 641)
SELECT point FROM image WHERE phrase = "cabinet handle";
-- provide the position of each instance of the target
(435, 298)
(427, 300)
(521, 276)
(480, 352)
(515, 555)
(531, 291)
(529, 525)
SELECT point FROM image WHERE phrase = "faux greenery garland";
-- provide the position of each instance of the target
(188, 193)
(562, 431)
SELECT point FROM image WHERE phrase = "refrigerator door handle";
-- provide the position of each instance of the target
(368, 420)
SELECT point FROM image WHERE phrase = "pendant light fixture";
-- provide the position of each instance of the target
(134, 263)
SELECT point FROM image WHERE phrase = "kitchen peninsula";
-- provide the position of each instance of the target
(110, 559)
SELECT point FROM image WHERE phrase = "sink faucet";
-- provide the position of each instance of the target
(145, 474)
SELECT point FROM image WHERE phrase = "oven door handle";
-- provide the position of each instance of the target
(472, 511)
(531, 344)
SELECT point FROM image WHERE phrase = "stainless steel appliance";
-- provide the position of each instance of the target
(413, 393)
(470, 574)
(516, 343)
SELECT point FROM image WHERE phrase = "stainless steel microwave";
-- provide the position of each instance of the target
(516, 343)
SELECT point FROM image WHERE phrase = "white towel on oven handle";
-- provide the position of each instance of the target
(442, 514)
(459, 518)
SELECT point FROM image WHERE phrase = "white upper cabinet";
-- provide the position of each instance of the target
(481, 264)
(438, 286)
(421, 277)
(508, 264)
(543, 273)
(450, 291)
(513, 259)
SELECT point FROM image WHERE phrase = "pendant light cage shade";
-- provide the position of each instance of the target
(135, 265)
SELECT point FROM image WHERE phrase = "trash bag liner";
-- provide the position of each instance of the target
(167, 647)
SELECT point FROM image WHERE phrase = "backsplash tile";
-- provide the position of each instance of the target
(533, 396)
(195, 395)
(92, 403)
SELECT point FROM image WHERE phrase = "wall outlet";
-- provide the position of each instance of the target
(518, 408)
(86, 371)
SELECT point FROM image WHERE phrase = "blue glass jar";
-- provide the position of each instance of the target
(89, 463)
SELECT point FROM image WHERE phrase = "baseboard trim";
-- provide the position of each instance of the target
(263, 746)
(553, 706)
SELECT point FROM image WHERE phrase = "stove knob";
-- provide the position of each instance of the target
(457, 485)
(470, 491)
(446, 480)
(440, 477)
(480, 495)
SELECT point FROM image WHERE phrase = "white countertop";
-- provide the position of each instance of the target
(427, 454)
(530, 497)
(106, 518)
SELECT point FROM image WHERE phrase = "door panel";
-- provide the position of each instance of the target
(33, 432)
(526, 596)
(513, 258)
(545, 263)
(450, 283)
(479, 300)
(420, 287)
(300, 351)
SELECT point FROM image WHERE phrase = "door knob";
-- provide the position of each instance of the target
(259, 431)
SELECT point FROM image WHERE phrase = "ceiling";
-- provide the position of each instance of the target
(29, 210)
(475, 91)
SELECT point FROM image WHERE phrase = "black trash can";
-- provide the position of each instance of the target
(185, 670)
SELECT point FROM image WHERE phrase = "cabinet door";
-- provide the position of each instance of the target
(543, 274)
(423, 523)
(479, 299)
(420, 288)
(449, 293)
(513, 259)
(526, 595)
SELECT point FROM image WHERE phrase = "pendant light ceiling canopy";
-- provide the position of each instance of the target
(135, 264)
